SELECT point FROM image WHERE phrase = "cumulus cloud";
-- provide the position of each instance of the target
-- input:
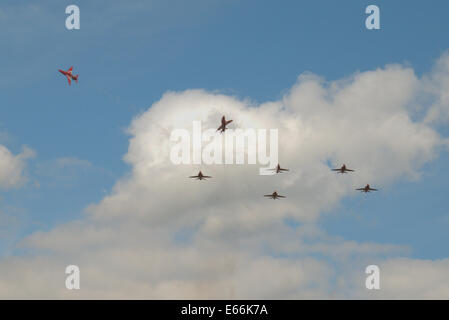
(12, 167)
(435, 85)
(161, 235)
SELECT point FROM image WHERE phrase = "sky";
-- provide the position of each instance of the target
(81, 163)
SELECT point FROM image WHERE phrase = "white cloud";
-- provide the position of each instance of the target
(161, 235)
(12, 167)
(435, 85)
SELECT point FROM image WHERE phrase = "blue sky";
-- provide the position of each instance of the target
(129, 53)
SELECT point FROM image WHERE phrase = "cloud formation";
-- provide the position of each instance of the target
(161, 235)
(12, 167)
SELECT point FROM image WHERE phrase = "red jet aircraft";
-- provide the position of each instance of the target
(366, 189)
(69, 75)
(343, 169)
(278, 169)
(224, 123)
(274, 196)
(200, 176)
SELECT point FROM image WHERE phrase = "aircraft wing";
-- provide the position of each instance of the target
(70, 70)
(70, 80)
(281, 196)
(193, 177)
(373, 189)
(268, 195)
(350, 170)
(228, 122)
(360, 189)
(336, 169)
(207, 177)
(284, 169)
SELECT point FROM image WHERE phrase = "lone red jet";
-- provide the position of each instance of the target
(69, 75)
(343, 169)
(274, 195)
(366, 189)
(224, 123)
(278, 169)
(200, 176)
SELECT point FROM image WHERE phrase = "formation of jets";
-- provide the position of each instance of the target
(69, 75)
(344, 169)
(278, 169)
